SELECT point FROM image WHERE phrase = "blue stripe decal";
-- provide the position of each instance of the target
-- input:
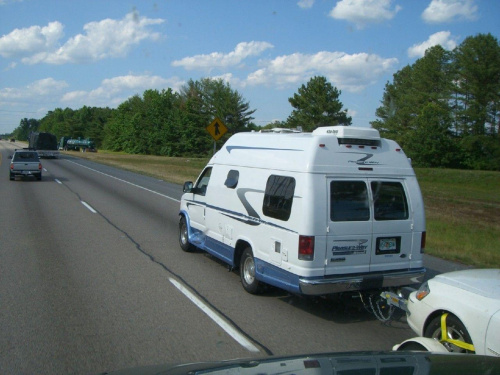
(220, 250)
(265, 271)
(276, 276)
(238, 216)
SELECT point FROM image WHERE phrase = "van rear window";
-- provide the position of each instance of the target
(349, 201)
(389, 201)
(278, 197)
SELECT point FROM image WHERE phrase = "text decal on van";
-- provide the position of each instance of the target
(364, 160)
(349, 247)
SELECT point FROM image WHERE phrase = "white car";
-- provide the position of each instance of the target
(463, 304)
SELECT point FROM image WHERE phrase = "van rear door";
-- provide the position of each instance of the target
(369, 226)
(392, 225)
(349, 237)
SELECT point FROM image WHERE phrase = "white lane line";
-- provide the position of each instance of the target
(56, 180)
(127, 182)
(89, 207)
(230, 330)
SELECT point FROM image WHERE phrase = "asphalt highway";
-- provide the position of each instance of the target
(92, 279)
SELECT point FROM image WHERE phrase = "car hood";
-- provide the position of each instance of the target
(416, 363)
(484, 282)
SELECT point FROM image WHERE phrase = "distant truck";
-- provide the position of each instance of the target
(77, 144)
(45, 144)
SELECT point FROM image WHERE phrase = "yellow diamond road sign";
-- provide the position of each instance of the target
(216, 129)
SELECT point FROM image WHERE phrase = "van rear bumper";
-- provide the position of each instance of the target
(348, 283)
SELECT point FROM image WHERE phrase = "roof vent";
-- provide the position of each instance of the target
(351, 135)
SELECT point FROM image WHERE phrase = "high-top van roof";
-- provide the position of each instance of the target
(328, 149)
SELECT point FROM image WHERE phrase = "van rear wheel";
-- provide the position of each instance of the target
(247, 272)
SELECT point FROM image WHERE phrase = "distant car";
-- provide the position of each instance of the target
(465, 305)
(25, 163)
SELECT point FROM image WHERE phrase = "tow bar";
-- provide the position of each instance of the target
(395, 300)
(383, 305)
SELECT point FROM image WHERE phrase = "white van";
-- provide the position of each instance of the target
(335, 210)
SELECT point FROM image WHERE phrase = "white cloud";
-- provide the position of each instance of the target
(116, 90)
(34, 39)
(223, 60)
(364, 12)
(450, 10)
(442, 38)
(305, 4)
(35, 91)
(103, 39)
(231, 79)
(348, 72)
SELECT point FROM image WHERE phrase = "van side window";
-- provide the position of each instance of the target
(232, 179)
(201, 185)
(389, 200)
(349, 201)
(278, 197)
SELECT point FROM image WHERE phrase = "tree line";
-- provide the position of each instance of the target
(172, 123)
(443, 110)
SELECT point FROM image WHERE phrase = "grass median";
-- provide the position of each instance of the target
(462, 207)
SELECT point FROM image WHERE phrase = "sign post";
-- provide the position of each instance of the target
(216, 129)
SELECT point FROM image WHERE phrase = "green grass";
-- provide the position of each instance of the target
(480, 186)
(462, 207)
(176, 170)
(463, 215)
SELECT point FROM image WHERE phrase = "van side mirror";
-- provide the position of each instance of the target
(188, 186)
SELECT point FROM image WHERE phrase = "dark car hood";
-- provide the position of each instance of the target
(416, 363)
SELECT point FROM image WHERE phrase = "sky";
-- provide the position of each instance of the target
(99, 53)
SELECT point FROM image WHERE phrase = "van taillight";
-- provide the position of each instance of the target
(422, 242)
(40, 166)
(306, 247)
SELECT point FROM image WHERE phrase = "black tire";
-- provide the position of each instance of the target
(39, 178)
(247, 272)
(456, 331)
(12, 177)
(183, 236)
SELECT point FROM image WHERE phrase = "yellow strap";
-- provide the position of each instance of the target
(444, 338)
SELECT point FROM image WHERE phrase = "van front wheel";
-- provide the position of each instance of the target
(183, 236)
(247, 272)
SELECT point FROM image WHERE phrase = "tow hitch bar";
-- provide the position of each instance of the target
(396, 300)
(383, 304)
